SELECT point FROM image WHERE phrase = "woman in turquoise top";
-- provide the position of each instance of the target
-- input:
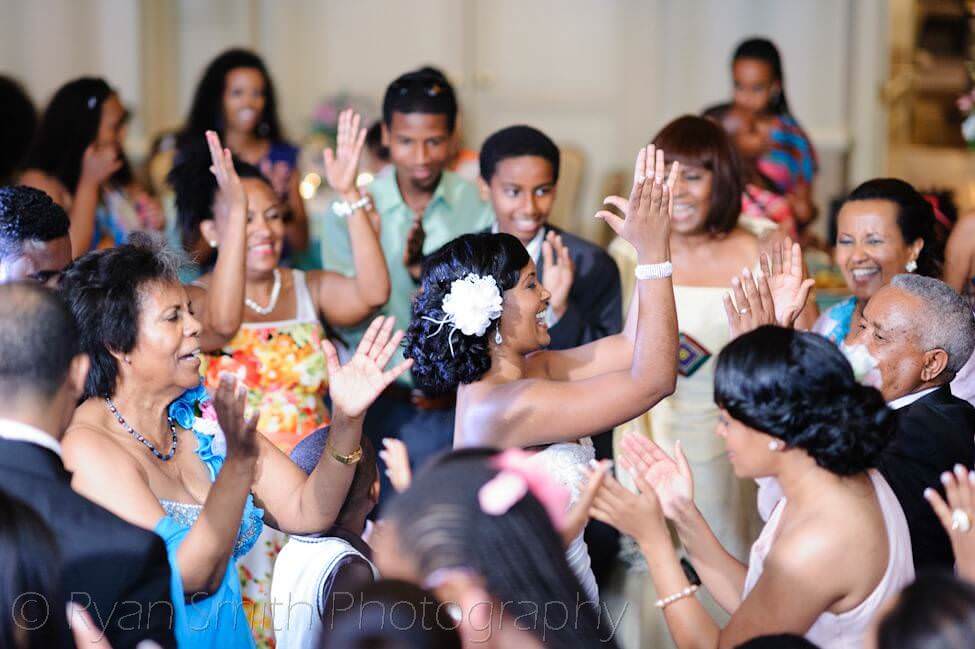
(145, 444)
(884, 228)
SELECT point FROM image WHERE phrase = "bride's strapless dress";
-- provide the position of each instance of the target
(566, 462)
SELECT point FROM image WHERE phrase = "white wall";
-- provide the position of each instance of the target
(605, 74)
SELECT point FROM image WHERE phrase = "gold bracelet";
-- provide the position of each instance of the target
(351, 458)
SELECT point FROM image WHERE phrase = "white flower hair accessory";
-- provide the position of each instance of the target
(472, 304)
(866, 370)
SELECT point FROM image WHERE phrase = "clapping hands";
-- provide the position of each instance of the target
(559, 272)
(230, 402)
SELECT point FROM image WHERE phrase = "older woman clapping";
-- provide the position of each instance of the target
(147, 445)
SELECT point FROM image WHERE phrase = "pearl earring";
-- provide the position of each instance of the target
(775, 446)
(213, 243)
(497, 336)
(910, 266)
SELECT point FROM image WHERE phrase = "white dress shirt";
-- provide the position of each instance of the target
(908, 399)
(16, 431)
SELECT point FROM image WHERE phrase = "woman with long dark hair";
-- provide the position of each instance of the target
(76, 158)
(487, 544)
(834, 548)
(235, 97)
(479, 326)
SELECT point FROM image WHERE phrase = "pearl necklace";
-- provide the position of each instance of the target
(147, 443)
(273, 302)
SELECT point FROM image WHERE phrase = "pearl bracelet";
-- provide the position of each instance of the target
(662, 270)
(670, 599)
(345, 208)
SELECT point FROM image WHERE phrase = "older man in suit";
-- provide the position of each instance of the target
(920, 332)
(519, 172)
(118, 572)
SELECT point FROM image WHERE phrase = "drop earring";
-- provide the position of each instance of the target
(910, 266)
(497, 336)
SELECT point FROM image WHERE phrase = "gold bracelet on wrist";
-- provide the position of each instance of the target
(351, 458)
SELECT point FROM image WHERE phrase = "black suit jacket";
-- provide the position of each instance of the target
(118, 571)
(595, 307)
(934, 433)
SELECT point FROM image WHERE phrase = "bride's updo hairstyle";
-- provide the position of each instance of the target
(798, 387)
(436, 368)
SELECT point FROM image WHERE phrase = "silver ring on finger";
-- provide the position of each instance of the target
(960, 521)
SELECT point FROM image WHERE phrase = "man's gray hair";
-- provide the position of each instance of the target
(947, 322)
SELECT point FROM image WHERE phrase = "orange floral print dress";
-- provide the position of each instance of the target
(283, 367)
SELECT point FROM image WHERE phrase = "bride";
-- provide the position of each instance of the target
(479, 327)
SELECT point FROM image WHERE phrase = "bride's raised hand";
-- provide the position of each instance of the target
(648, 210)
(670, 477)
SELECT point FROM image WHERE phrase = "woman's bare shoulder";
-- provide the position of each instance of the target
(88, 442)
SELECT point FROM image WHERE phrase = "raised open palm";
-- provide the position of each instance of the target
(784, 271)
(671, 479)
(355, 385)
(342, 164)
(233, 198)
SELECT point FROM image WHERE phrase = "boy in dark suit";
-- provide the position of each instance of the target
(116, 571)
(519, 173)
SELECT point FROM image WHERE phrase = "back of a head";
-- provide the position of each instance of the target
(915, 218)
(444, 360)
(103, 290)
(514, 142)
(762, 49)
(946, 321)
(798, 387)
(18, 120)
(393, 614)
(518, 554)
(780, 641)
(28, 566)
(28, 214)
(701, 142)
(38, 341)
(69, 124)
(421, 91)
(935, 612)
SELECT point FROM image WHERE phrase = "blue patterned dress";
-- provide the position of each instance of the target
(217, 620)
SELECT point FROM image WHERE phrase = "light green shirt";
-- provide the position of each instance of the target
(455, 209)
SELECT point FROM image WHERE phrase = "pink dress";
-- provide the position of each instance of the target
(847, 630)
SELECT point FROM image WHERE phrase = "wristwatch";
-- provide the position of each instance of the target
(351, 458)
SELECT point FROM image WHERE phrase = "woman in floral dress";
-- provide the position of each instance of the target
(276, 348)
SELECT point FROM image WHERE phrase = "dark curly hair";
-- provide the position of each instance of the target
(206, 111)
(104, 290)
(28, 214)
(435, 369)
(915, 219)
(195, 187)
(799, 387)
